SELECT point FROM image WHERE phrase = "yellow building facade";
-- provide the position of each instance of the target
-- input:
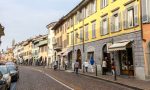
(99, 29)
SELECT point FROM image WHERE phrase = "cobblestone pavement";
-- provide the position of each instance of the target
(79, 82)
(34, 80)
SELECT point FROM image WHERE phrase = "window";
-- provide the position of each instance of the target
(145, 11)
(93, 6)
(81, 34)
(94, 29)
(130, 17)
(72, 38)
(104, 26)
(115, 22)
(67, 39)
(86, 33)
(104, 3)
(75, 36)
(86, 11)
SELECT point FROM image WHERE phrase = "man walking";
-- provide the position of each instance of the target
(104, 67)
(76, 66)
(86, 64)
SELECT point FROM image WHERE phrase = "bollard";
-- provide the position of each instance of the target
(96, 69)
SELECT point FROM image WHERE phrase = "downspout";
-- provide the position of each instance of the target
(141, 21)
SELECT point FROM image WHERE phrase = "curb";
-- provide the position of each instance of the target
(132, 87)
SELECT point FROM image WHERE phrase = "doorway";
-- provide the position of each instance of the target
(126, 62)
(79, 58)
(106, 55)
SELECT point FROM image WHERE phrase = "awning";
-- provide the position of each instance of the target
(119, 46)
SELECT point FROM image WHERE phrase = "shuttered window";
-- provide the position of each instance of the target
(94, 29)
(104, 26)
(86, 32)
(103, 3)
(81, 34)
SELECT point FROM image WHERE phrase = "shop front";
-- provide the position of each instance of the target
(122, 52)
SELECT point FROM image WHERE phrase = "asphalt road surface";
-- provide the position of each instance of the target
(37, 78)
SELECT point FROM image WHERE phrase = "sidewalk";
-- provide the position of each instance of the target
(130, 82)
(125, 81)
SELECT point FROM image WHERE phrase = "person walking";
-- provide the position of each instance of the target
(86, 64)
(104, 67)
(76, 66)
(113, 68)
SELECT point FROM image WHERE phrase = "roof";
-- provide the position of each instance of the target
(51, 25)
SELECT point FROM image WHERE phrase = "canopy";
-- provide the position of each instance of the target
(119, 46)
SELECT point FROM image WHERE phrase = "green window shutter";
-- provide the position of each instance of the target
(136, 15)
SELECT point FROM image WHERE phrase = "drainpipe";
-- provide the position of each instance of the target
(141, 21)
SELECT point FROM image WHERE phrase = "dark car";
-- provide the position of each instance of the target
(14, 72)
(3, 83)
(6, 78)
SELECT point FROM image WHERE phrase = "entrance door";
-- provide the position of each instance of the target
(126, 62)
(70, 60)
(79, 58)
(107, 55)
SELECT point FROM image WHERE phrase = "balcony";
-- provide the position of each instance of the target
(58, 48)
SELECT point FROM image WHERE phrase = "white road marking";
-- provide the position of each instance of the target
(53, 78)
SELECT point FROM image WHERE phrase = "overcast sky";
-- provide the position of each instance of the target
(23, 19)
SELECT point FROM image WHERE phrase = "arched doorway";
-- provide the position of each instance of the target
(79, 58)
(106, 55)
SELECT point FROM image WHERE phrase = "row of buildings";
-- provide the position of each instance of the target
(97, 29)
(32, 51)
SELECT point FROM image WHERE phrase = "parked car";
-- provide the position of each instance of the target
(14, 72)
(13, 69)
(5, 76)
(3, 84)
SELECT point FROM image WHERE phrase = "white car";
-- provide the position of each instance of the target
(6, 75)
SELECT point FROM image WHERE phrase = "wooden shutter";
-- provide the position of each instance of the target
(136, 15)
(107, 19)
(144, 11)
(120, 21)
(101, 3)
(112, 23)
(107, 1)
(125, 21)
(101, 27)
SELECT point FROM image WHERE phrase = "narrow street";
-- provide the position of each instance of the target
(35, 78)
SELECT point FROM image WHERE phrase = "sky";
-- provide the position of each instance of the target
(23, 19)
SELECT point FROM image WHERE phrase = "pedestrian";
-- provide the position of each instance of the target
(86, 64)
(66, 64)
(55, 65)
(104, 67)
(76, 66)
(113, 68)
